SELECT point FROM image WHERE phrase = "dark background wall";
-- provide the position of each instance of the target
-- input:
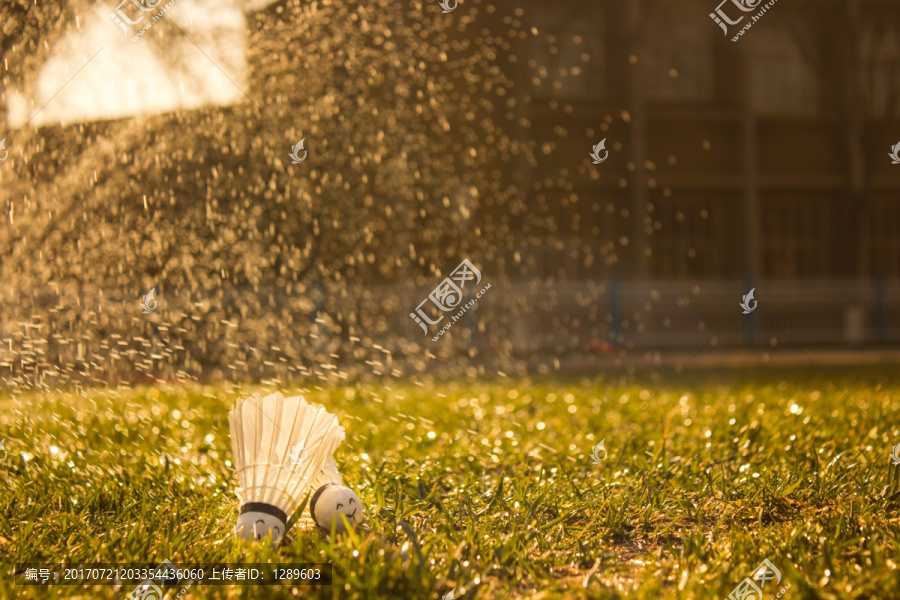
(764, 158)
(436, 137)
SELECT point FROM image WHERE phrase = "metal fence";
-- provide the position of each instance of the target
(604, 317)
(269, 331)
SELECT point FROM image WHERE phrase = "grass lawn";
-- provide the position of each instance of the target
(488, 486)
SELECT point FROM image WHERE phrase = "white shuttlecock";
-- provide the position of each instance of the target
(283, 451)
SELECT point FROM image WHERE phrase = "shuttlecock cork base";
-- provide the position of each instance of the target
(257, 520)
(331, 502)
(283, 451)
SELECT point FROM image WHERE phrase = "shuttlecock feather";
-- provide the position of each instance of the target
(283, 449)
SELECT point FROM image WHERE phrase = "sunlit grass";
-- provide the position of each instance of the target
(488, 486)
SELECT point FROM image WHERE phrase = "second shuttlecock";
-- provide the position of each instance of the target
(282, 449)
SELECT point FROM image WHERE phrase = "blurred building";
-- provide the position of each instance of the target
(764, 158)
(761, 162)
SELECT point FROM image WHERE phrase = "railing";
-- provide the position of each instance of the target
(601, 317)
(241, 330)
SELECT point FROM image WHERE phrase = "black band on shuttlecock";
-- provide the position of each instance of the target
(266, 509)
(312, 502)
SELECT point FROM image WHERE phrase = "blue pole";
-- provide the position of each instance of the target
(750, 322)
(614, 316)
(880, 312)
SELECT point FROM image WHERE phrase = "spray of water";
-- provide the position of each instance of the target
(176, 176)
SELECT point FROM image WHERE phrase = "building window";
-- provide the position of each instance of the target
(688, 238)
(882, 243)
(567, 53)
(677, 65)
(797, 236)
(782, 78)
(879, 74)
